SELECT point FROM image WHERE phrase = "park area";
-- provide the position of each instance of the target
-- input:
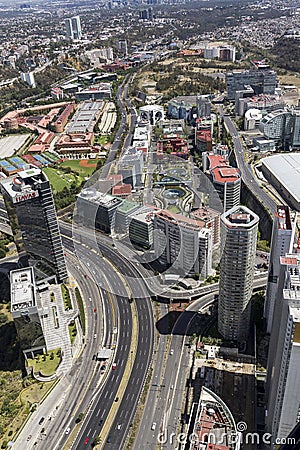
(18, 395)
(79, 170)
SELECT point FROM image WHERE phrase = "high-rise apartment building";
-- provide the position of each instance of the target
(283, 369)
(183, 243)
(281, 243)
(31, 211)
(73, 28)
(122, 47)
(262, 81)
(28, 78)
(238, 248)
(226, 179)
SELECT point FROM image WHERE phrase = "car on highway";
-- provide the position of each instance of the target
(153, 426)
(95, 336)
(41, 420)
(101, 422)
(119, 426)
(67, 430)
(86, 441)
(108, 440)
(171, 352)
(114, 366)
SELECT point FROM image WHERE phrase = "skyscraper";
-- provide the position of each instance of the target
(283, 369)
(31, 211)
(182, 243)
(238, 248)
(281, 243)
(73, 28)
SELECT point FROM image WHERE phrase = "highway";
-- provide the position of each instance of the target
(122, 102)
(168, 385)
(141, 360)
(79, 378)
(246, 172)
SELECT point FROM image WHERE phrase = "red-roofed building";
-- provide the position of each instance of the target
(214, 424)
(176, 146)
(31, 160)
(45, 138)
(60, 123)
(121, 190)
(204, 141)
(37, 148)
(226, 179)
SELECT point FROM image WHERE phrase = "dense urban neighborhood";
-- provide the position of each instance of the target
(149, 225)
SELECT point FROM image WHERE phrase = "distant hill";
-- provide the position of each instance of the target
(286, 53)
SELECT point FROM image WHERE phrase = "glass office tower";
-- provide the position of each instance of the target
(31, 211)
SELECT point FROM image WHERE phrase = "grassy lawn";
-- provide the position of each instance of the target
(72, 331)
(18, 400)
(84, 171)
(81, 309)
(174, 209)
(102, 140)
(66, 296)
(35, 392)
(46, 364)
(59, 180)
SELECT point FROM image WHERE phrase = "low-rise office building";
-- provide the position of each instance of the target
(141, 227)
(95, 92)
(130, 166)
(97, 210)
(24, 310)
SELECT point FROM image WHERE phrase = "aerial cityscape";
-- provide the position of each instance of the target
(150, 225)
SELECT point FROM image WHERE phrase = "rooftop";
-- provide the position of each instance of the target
(285, 168)
(179, 220)
(127, 206)
(22, 185)
(98, 198)
(214, 424)
(225, 174)
(283, 218)
(216, 161)
(22, 289)
(240, 217)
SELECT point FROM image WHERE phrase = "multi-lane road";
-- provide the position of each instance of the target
(246, 172)
(163, 410)
(139, 362)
